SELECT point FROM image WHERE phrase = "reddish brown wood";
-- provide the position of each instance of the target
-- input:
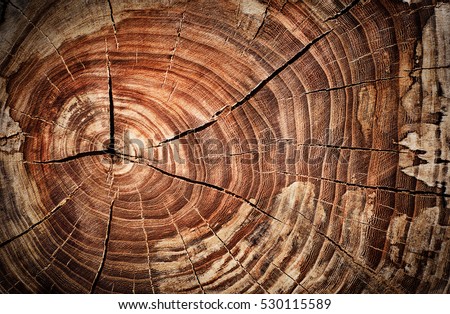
(237, 146)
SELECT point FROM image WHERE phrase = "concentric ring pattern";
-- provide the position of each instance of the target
(237, 146)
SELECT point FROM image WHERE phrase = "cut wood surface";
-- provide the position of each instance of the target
(238, 146)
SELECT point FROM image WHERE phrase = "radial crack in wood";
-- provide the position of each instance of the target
(105, 242)
(236, 146)
(248, 96)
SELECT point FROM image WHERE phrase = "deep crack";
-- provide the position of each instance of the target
(111, 146)
(202, 183)
(250, 94)
(70, 158)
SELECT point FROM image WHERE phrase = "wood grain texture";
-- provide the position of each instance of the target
(238, 146)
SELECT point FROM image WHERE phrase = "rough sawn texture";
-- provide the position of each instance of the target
(236, 146)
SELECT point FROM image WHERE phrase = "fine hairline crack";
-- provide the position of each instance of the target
(111, 13)
(107, 235)
(16, 7)
(343, 11)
